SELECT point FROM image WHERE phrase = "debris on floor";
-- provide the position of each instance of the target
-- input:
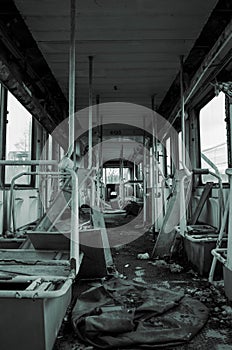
(175, 268)
(139, 273)
(144, 256)
(215, 335)
(122, 313)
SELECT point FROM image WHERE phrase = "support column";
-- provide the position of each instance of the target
(144, 181)
(154, 170)
(90, 158)
(98, 148)
(183, 222)
(229, 172)
(72, 76)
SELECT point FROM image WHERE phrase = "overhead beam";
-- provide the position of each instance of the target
(30, 78)
(207, 72)
(10, 78)
(219, 19)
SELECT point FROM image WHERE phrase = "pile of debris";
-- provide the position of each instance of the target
(121, 313)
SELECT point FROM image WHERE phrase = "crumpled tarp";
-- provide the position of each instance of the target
(121, 313)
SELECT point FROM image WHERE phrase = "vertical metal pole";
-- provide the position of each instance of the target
(229, 244)
(182, 111)
(219, 239)
(90, 160)
(229, 172)
(74, 244)
(121, 165)
(74, 239)
(45, 141)
(144, 180)
(3, 127)
(153, 172)
(183, 222)
(93, 192)
(134, 176)
(72, 55)
(151, 175)
(98, 154)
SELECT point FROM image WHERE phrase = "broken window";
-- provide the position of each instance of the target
(213, 138)
(18, 140)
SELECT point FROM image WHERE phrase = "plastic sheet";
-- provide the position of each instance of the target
(122, 313)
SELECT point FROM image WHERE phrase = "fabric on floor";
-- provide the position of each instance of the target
(121, 313)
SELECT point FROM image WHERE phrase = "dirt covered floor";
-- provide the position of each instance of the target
(176, 274)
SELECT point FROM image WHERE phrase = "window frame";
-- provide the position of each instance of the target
(166, 156)
(198, 109)
(32, 168)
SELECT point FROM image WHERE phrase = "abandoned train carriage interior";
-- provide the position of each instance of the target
(116, 174)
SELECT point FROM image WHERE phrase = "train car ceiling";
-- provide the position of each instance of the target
(136, 48)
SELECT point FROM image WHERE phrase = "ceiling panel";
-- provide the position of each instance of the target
(136, 44)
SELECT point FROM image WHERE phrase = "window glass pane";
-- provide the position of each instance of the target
(180, 149)
(168, 156)
(140, 171)
(126, 174)
(213, 137)
(112, 175)
(61, 153)
(49, 147)
(18, 139)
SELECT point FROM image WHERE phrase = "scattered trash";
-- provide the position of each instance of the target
(139, 280)
(144, 256)
(166, 284)
(193, 273)
(175, 268)
(227, 309)
(139, 273)
(160, 263)
(119, 275)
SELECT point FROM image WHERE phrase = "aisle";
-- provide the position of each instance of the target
(176, 275)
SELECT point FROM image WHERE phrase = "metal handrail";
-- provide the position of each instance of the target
(68, 201)
(218, 176)
(27, 162)
(74, 239)
(33, 294)
(216, 253)
(11, 209)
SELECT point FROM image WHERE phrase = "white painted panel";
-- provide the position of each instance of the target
(26, 206)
